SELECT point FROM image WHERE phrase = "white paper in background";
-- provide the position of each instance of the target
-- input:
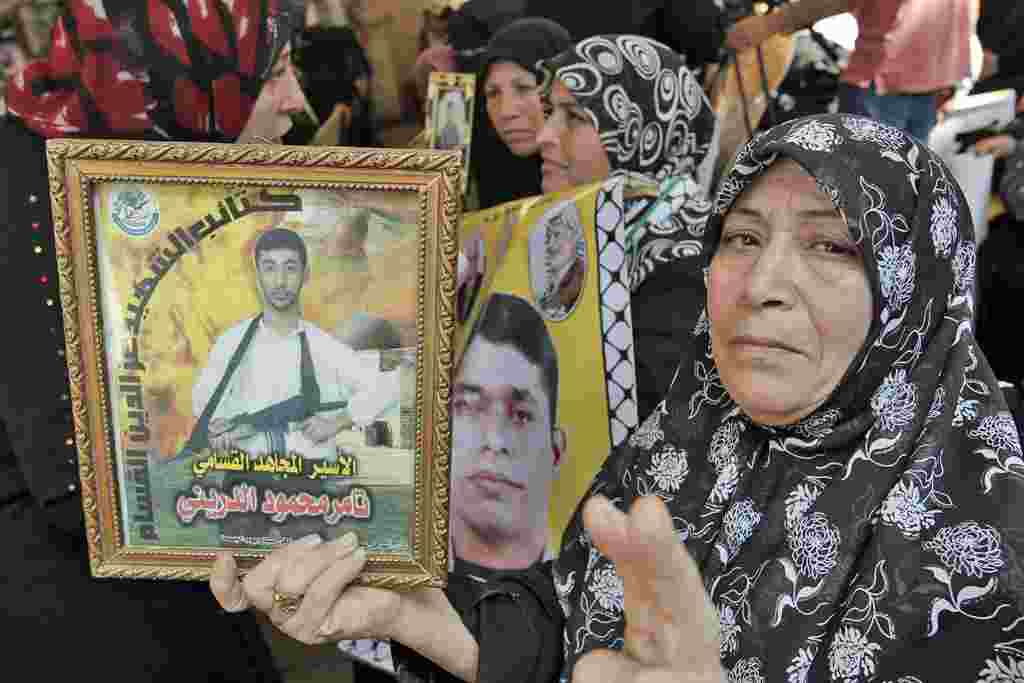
(968, 114)
(839, 28)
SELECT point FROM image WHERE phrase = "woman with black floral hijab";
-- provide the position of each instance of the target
(876, 536)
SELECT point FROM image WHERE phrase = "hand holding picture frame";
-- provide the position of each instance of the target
(259, 341)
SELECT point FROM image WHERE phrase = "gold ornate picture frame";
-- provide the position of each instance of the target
(259, 341)
(450, 106)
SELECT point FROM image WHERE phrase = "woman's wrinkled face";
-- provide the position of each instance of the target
(789, 299)
(514, 106)
(570, 145)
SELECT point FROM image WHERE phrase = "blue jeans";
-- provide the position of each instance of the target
(915, 114)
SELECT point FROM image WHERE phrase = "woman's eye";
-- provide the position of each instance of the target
(522, 417)
(835, 247)
(740, 239)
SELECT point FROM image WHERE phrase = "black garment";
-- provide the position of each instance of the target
(515, 618)
(1000, 281)
(811, 85)
(500, 175)
(1000, 287)
(471, 26)
(117, 630)
(666, 309)
(999, 27)
(695, 29)
(332, 60)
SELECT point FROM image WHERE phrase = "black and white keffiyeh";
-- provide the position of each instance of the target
(877, 539)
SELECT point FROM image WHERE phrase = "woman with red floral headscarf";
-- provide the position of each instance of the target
(194, 70)
(161, 69)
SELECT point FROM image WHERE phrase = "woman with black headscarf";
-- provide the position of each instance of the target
(509, 114)
(162, 70)
(835, 455)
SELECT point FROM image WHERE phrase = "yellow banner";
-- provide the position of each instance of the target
(544, 268)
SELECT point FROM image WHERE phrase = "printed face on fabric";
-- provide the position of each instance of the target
(281, 269)
(505, 445)
(281, 276)
(514, 106)
(788, 298)
(560, 243)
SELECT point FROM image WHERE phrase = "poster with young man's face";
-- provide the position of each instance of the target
(542, 387)
(543, 380)
(261, 358)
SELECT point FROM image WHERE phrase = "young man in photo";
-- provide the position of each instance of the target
(506, 443)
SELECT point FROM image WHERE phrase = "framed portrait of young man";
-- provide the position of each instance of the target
(259, 340)
(449, 125)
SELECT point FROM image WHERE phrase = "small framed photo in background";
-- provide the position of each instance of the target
(450, 106)
(259, 345)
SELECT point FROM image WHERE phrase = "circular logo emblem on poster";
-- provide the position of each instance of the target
(558, 263)
(135, 212)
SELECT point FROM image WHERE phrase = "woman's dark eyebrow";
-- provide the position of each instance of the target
(803, 213)
(821, 213)
(744, 211)
(519, 394)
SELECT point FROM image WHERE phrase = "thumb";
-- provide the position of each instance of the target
(226, 586)
(669, 620)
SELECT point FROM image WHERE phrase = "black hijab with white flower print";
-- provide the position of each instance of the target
(878, 538)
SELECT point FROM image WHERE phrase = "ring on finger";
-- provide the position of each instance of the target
(287, 603)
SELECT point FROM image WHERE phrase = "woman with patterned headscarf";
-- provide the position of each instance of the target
(193, 70)
(835, 456)
(624, 105)
(832, 488)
